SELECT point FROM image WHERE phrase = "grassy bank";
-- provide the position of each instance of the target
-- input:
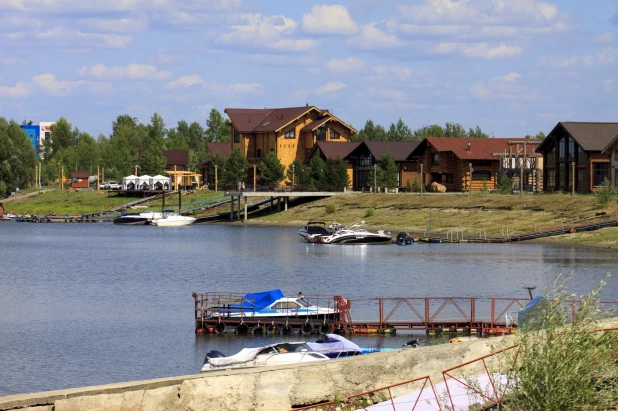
(457, 214)
(43, 202)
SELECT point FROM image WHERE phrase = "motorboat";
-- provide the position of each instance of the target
(335, 346)
(273, 306)
(313, 230)
(354, 234)
(173, 220)
(145, 218)
(269, 355)
(405, 239)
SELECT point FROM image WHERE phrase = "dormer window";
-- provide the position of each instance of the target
(290, 134)
(334, 135)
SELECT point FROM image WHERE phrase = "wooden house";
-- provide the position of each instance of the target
(79, 179)
(329, 150)
(224, 150)
(289, 132)
(449, 160)
(578, 153)
(612, 150)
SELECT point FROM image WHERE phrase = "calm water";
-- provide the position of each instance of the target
(86, 304)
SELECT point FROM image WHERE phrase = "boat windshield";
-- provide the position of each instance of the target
(292, 347)
(304, 303)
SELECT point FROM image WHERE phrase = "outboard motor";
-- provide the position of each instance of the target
(415, 343)
(213, 354)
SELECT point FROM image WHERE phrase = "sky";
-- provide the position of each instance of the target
(512, 67)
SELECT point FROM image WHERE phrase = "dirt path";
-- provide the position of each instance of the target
(23, 196)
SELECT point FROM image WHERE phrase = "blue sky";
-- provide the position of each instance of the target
(513, 67)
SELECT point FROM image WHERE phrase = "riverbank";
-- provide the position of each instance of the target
(478, 215)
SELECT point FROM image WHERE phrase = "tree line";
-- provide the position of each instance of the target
(134, 143)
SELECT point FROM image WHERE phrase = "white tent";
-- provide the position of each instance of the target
(144, 182)
(162, 181)
(129, 182)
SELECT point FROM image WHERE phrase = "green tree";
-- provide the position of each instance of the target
(387, 171)
(236, 168)
(152, 163)
(454, 130)
(428, 131)
(539, 136)
(477, 133)
(505, 184)
(156, 134)
(336, 175)
(218, 163)
(302, 174)
(17, 157)
(87, 153)
(317, 172)
(271, 170)
(370, 132)
(216, 128)
(196, 136)
(176, 140)
(62, 136)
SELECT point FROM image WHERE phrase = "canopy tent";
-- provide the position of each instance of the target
(161, 182)
(129, 182)
(144, 182)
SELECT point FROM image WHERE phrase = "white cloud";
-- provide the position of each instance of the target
(325, 19)
(187, 81)
(329, 87)
(510, 78)
(372, 38)
(132, 71)
(396, 71)
(79, 6)
(124, 25)
(274, 33)
(563, 62)
(246, 88)
(52, 86)
(346, 65)
(63, 36)
(19, 90)
(479, 50)
(604, 38)
(504, 87)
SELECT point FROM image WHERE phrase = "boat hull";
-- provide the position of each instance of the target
(355, 239)
(125, 220)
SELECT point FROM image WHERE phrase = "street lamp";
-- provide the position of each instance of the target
(421, 179)
(216, 179)
(471, 170)
(136, 170)
(573, 177)
(292, 176)
(254, 177)
(375, 180)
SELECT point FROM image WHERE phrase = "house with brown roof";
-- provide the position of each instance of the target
(222, 149)
(289, 132)
(612, 150)
(361, 158)
(449, 160)
(79, 179)
(579, 153)
(178, 159)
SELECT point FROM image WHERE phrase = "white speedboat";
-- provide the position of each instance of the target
(313, 230)
(269, 355)
(354, 234)
(145, 218)
(173, 220)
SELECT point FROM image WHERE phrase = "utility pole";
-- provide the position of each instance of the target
(421, 179)
(471, 170)
(98, 179)
(292, 176)
(375, 180)
(521, 180)
(216, 179)
(254, 176)
(573, 177)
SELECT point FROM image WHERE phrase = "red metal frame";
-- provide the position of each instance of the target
(353, 399)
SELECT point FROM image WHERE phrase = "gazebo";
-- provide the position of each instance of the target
(160, 182)
(144, 182)
(130, 182)
(185, 179)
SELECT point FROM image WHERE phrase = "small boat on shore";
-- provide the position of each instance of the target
(405, 239)
(173, 220)
(335, 346)
(268, 355)
(145, 218)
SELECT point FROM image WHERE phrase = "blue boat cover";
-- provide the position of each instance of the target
(258, 301)
(335, 345)
(532, 312)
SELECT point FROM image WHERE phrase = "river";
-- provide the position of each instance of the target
(87, 304)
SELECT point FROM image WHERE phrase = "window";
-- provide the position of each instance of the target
(47, 135)
(291, 134)
(285, 305)
(236, 135)
(561, 148)
(582, 178)
(616, 155)
(600, 171)
(561, 174)
(551, 178)
(364, 178)
(259, 153)
(436, 159)
(481, 175)
(320, 133)
(436, 177)
(364, 161)
(571, 148)
(551, 156)
(582, 157)
(450, 154)
(334, 135)
(447, 178)
(481, 163)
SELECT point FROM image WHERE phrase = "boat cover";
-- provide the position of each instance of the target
(334, 343)
(258, 301)
(531, 315)
(243, 356)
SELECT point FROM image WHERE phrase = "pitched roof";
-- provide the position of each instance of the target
(176, 157)
(334, 150)
(248, 120)
(590, 136)
(316, 123)
(223, 149)
(80, 174)
(480, 148)
(399, 149)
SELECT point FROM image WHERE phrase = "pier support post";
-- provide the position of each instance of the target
(285, 203)
(245, 208)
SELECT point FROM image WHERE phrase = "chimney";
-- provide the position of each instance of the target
(468, 146)
(307, 104)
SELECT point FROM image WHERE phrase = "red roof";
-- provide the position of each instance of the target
(265, 120)
(334, 150)
(176, 157)
(479, 148)
(315, 124)
(400, 150)
(80, 174)
(223, 149)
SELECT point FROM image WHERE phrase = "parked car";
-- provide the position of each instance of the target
(114, 186)
(104, 185)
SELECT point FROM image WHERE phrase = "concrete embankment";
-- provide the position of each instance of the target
(271, 389)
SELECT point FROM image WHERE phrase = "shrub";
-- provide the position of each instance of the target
(566, 365)
(505, 184)
(416, 187)
(330, 208)
(484, 189)
(370, 212)
(604, 194)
